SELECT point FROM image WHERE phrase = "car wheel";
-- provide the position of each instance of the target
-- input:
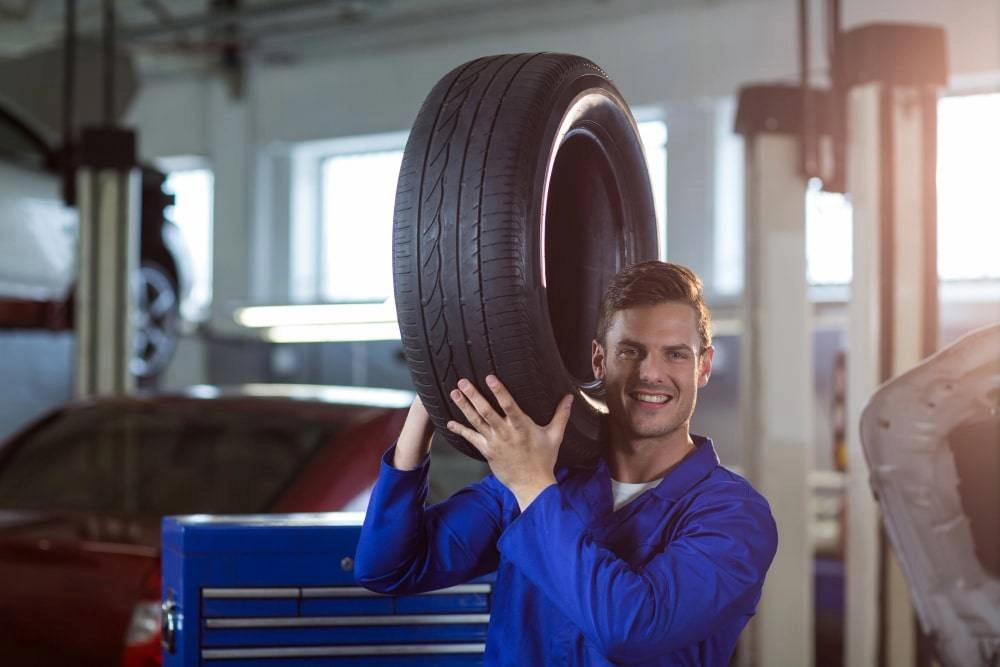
(157, 320)
(523, 190)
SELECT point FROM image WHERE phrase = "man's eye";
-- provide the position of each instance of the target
(678, 355)
(628, 353)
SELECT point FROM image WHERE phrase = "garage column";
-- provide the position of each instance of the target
(891, 74)
(232, 150)
(776, 378)
(108, 200)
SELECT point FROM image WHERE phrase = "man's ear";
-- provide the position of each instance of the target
(705, 366)
(597, 359)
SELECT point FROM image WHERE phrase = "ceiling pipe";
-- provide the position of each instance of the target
(223, 17)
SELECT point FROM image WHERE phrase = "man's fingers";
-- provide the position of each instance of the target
(468, 409)
(561, 416)
(471, 436)
(479, 403)
(504, 399)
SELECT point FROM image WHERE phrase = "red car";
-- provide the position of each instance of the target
(83, 489)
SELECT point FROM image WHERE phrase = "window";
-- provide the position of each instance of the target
(829, 237)
(154, 460)
(358, 192)
(730, 201)
(193, 190)
(653, 134)
(968, 204)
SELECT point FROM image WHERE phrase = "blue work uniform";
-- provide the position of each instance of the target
(669, 579)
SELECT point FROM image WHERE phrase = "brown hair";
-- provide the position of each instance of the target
(651, 283)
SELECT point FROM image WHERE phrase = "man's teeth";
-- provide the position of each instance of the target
(651, 398)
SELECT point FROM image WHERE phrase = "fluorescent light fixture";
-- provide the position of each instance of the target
(316, 314)
(322, 323)
(374, 396)
(332, 333)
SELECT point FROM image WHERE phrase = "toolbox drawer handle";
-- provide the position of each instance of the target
(168, 624)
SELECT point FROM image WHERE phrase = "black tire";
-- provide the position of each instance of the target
(523, 190)
(156, 319)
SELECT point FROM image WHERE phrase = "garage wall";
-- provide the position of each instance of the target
(679, 59)
(685, 58)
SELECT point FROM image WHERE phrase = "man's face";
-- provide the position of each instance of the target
(652, 370)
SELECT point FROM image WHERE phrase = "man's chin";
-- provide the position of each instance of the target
(647, 431)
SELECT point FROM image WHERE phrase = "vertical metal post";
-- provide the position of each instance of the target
(776, 377)
(67, 166)
(108, 192)
(891, 73)
(108, 197)
(108, 62)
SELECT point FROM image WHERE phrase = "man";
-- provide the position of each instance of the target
(653, 555)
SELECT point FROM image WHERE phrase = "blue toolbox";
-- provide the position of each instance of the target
(268, 590)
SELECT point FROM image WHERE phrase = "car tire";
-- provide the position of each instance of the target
(523, 189)
(157, 319)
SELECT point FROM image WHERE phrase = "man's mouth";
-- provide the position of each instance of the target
(645, 397)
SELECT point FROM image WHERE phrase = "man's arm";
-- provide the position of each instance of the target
(405, 548)
(414, 444)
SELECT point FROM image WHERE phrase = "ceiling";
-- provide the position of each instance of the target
(170, 36)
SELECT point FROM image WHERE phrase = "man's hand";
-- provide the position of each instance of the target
(415, 439)
(521, 454)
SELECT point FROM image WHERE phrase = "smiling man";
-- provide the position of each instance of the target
(653, 555)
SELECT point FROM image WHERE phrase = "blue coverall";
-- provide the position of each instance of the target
(669, 579)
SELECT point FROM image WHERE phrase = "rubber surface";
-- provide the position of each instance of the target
(523, 189)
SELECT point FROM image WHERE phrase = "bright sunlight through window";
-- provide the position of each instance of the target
(358, 195)
(192, 213)
(829, 235)
(653, 135)
(968, 204)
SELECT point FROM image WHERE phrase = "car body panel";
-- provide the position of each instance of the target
(54, 568)
(39, 234)
(931, 437)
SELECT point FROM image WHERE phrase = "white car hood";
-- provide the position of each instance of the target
(38, 235)
(905, 436)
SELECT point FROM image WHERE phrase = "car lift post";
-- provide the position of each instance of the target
(107, 189)
(891, 75)
(776, 403)
(108, 197)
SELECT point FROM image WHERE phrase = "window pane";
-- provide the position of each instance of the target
(968, 203)
(359, 192)
(654, 143)
(829, 238)
(729, 201)
(192, 213)
(155, 461)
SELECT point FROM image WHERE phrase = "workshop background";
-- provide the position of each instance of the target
(280, 125)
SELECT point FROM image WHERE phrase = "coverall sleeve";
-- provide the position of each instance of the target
(406, 548)
(711, 570)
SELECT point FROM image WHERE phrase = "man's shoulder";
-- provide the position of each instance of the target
(723, 484)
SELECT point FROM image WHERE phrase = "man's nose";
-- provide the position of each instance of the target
(652, 369)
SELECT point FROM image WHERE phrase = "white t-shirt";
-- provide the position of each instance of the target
(626, 492)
